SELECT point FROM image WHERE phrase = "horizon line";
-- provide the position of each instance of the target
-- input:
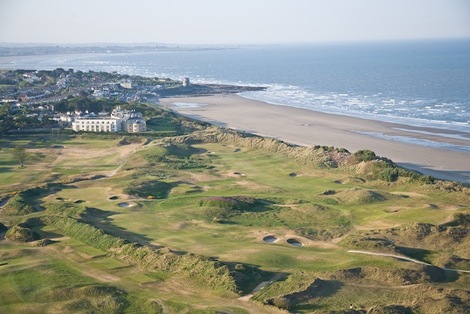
(166, 44)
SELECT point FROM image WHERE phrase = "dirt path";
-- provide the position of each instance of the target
(125, 158)
(404, 258)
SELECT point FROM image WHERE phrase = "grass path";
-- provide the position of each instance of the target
(408, 259)
(125, 158)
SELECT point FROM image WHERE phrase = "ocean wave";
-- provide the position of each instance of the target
(374, 107)
(447, 135)
(417, 141)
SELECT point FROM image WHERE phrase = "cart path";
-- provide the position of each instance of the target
(408, 259)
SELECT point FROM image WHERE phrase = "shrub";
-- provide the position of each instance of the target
(364, 155)
(427, 179)
(280, 302)
(414, 175)
(461, 219)
(389, 175)
(126, 140)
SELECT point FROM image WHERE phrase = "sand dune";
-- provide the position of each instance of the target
(305, 127)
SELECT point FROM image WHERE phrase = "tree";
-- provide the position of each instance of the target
(19, 153)
(5, 110)
(6, 125)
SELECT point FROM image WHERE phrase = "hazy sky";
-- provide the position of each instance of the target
(229, 21)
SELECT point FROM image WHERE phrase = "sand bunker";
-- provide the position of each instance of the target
(125, 204)
(294, 242)
(113, 198)
(270, 239)
(79, 201)
(237, 174)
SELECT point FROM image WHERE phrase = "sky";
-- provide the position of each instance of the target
(230, 21)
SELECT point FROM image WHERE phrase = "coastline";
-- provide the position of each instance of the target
(308, 128)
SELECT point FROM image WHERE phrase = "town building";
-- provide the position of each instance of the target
(128, 84)
(120, 120)
(132, 121)
(97, 124)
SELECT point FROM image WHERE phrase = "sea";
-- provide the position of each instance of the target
(419, 83)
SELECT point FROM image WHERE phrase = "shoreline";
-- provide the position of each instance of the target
(308, 128)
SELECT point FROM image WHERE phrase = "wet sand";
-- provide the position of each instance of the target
(309, 128)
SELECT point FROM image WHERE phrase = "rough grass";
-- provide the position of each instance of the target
(366, 288)
(21, 234)
(18, 205)
(56, 286)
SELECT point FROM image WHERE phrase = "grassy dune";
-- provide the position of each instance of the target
(160, 229)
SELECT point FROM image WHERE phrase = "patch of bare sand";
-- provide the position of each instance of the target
(409, 194)
(74, 156)
(202, 177)
(450, 207)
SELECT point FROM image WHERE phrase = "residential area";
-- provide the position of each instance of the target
(83, 101)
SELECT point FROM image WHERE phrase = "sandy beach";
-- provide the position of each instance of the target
(308, 128)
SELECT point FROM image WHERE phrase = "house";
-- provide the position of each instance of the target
(128, 84)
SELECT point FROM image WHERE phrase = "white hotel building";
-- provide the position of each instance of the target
(97, 124)
(120, 120)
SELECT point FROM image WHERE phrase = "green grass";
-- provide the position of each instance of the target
(288, 207)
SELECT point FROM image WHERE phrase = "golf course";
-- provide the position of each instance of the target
(195, 218)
